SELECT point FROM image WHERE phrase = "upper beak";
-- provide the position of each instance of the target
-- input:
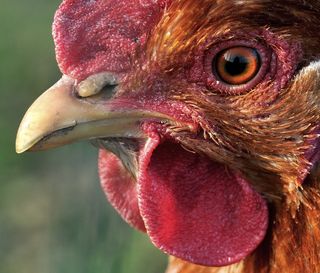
(59, 117)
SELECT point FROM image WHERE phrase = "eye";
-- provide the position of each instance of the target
(237, 65)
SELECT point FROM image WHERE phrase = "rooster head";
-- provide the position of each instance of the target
(206, 114)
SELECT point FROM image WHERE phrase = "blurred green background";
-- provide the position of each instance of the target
(53, 215)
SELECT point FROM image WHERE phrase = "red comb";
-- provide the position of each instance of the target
(92, 36)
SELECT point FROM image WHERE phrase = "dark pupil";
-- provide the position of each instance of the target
(235, 65)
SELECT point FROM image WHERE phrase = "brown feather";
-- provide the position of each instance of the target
(265, 135)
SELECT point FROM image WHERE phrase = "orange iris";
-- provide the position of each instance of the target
(237, 65)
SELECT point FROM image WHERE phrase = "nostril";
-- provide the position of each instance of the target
(108, 91)
(102, 82)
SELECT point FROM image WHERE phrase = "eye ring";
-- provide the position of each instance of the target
(255, 73)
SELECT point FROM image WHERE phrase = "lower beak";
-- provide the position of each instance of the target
(59, 116)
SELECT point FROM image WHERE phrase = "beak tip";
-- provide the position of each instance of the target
(20, 148)
(23, 143)
(20, 151)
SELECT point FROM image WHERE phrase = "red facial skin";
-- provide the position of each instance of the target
(190, 206)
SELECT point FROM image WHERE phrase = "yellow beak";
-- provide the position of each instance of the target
(59, 116)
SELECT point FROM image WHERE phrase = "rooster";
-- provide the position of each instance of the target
(206, 114)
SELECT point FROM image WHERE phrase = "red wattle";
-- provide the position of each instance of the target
(120, 188)
(196, 209)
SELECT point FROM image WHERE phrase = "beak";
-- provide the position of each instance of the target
(59, 116)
